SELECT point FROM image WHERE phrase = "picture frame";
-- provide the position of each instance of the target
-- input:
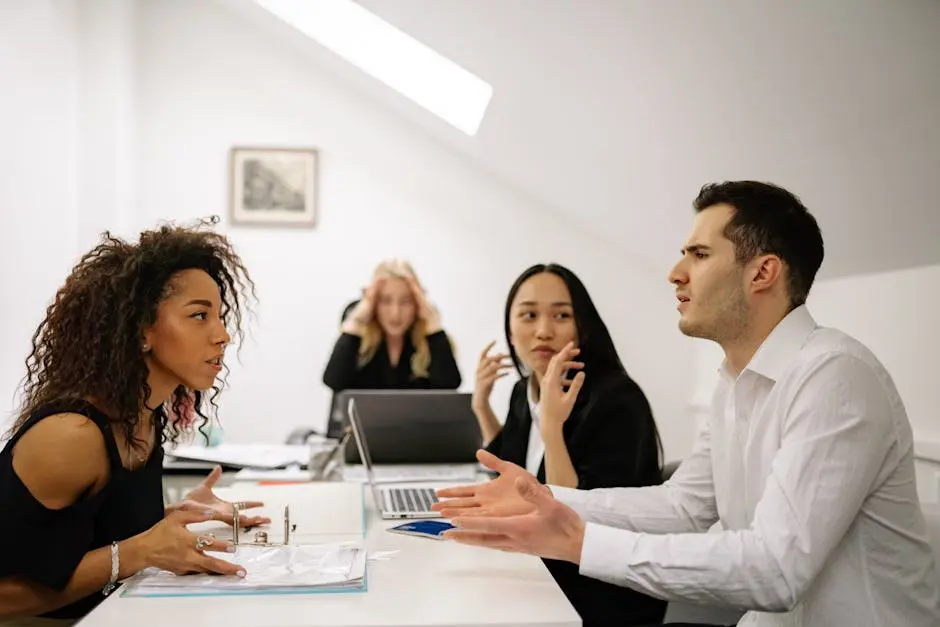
(273, 186)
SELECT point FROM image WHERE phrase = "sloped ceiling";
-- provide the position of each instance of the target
(615, 112)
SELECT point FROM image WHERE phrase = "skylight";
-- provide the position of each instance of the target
(390, 56)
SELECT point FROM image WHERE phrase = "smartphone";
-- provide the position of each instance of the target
(425, 528)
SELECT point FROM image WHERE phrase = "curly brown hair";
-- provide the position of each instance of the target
(89, 344)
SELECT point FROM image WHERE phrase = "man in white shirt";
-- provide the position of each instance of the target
(798, 502)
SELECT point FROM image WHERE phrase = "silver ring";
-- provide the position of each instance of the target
(203, 542)
(240, 504)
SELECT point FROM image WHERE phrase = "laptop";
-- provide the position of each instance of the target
(392, 501)
(415, 426)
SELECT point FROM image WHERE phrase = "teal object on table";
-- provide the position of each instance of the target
(214, 435)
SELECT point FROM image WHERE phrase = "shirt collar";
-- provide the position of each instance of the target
(533, 403)
(783, 344)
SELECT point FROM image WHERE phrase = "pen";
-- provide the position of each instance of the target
(286, 524)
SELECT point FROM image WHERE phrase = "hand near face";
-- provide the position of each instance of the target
(556, 402)
(426, 310)
(364, 311)
(550, 529)
(489, 369)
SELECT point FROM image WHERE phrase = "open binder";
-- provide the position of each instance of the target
(326, 552)
(333, 567)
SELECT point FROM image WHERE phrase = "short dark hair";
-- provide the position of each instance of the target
(770, 220)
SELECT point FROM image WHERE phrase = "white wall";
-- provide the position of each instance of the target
(106, 125)
(209, 80)
(38, 63)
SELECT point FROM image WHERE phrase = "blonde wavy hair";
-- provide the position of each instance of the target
(373, 334)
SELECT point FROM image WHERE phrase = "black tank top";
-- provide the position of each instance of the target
(46, 546)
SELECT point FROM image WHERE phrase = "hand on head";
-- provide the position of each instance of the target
(364, 311)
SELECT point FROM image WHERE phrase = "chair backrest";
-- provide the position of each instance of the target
(669, 468)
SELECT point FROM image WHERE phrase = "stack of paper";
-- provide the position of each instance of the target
(248, 455)
(293, 474)
(331, 567)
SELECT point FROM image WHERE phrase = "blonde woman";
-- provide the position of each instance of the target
(392, 338)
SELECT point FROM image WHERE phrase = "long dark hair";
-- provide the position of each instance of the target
(597, 348)
(598, 353)
(88, 346)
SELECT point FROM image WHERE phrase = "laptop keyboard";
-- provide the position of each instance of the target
(412, 499)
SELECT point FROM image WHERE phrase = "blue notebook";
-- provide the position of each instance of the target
(424, 528)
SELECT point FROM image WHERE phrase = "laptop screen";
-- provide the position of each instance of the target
(363, 451)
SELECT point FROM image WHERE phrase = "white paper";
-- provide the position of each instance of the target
(291, 473)
(248, 455)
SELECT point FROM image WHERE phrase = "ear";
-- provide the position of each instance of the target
(765, 272)
(146, 343)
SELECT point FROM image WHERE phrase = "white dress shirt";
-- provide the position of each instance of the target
(536, 450)
(806, 466)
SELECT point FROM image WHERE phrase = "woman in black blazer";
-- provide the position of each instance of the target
(391, 339)
(607, 439)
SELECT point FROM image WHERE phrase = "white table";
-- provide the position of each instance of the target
(423, 583)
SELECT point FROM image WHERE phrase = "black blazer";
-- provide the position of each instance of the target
(611, 440)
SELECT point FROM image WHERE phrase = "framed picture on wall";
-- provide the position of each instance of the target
(273, 186)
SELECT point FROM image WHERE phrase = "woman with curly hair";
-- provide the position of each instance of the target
(122, 362)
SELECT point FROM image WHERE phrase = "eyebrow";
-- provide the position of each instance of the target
(532, 303)
(203, 303)
(694, 248)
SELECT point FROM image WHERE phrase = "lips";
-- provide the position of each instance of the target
(215, 362)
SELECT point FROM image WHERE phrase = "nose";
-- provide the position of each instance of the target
(678, 275)
(222, 337)
(544, 329)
